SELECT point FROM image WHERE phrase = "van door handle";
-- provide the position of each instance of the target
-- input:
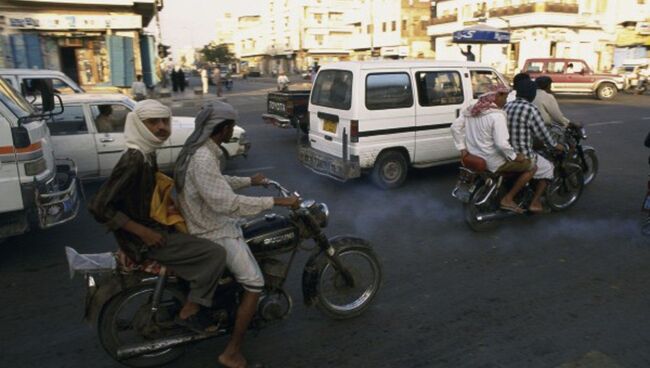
(327, 137)
(106, 139)
(457, 113)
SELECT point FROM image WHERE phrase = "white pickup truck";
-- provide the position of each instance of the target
(91, 132)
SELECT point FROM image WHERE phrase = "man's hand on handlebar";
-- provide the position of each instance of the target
(259, 179)
(560, 148)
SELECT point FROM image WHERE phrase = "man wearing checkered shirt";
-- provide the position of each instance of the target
(524, 121)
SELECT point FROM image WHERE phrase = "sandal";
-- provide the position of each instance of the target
(513, 208)
(198, 323)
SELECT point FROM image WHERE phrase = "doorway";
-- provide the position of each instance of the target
(69, 63)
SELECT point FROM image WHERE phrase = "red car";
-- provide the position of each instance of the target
(573, 76)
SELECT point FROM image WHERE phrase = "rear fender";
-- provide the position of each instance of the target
(318, 260)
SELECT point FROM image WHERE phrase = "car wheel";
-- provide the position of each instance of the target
(606, 91)
(390, 170)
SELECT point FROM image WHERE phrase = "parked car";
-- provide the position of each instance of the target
(288, 108)
(574, 76)
(21, 80)
(382, 117)
(96, 142)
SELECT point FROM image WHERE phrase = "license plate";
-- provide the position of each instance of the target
(329, 126)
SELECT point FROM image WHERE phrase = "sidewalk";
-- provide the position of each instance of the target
(187, 98)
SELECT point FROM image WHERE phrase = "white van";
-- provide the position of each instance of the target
(383, 116)
(23, 79)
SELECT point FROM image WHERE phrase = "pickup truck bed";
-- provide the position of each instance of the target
(286, 108)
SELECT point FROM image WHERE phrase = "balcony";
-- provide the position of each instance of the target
(452, 18)
(547, 7)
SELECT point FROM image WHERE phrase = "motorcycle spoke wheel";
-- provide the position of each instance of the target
(341, 299)
(128, 319)
(564, 191)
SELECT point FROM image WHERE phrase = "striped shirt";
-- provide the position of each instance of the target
(524, 120)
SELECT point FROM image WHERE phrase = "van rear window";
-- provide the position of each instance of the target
(333, 88)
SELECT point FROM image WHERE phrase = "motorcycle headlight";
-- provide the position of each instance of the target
(583, 132)
(319, 211)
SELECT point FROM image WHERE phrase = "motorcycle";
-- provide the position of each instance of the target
(579, 154)
(481, 190)
(136, 310)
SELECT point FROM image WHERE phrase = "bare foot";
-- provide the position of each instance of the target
(235, 360)
(188, 310)
(536, 208)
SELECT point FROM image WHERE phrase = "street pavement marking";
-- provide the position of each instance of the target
(645, 118)
(607, 123)
(256, 169)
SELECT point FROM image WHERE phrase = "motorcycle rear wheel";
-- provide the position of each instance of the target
(566, 188)
(337, 299)
(472, 210)
(117, 329)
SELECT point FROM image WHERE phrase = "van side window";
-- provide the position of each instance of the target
(60, 87)
(535, 67)
(388, 91)
(109, 118)
(333, 88)
(483, 81)
(72, 121)
(439, 88)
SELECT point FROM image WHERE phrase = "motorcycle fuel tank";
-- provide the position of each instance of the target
(271, 235)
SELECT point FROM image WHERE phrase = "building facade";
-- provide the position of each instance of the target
(94, 42)
(586, 29)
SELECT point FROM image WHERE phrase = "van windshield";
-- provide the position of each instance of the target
(14, 101)
(333, 88)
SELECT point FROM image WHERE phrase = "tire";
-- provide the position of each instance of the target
(591, 171)
(565, 189)
(353, 255)
(110, 320)
(606, 91)
(390, 170)
(471, 211)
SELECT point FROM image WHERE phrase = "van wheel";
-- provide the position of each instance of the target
(606, 91)
(390, 170)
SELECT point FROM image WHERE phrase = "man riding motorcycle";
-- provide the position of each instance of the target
(482, 131)
(524, 122)
(547, 104)
(213, 211)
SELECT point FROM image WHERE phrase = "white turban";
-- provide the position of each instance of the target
(136, 134)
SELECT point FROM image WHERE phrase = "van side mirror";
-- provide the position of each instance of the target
(20, 137)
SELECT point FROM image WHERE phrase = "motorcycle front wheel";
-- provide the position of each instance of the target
(591, 170)
(566, 188)
(336, 297)
(127, 319)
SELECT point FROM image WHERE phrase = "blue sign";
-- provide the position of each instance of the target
(481, 36)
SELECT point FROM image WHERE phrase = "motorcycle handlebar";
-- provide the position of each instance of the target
(284, 192)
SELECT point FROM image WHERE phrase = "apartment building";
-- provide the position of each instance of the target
(390, 29)
(586, 29)
(94, 42)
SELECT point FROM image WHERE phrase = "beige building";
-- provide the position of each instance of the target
(586, 29)
(95, 42)
(390, 29)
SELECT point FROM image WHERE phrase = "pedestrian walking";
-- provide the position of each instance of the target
(469, 55)
(204, 80)
(174, 78)
(216, 78)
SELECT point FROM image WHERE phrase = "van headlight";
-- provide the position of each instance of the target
(35, 167)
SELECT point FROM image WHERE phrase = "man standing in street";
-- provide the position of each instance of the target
(204, 80)
(524, 121)
(138, 89)
(213, 211)
(216, 78)
(123, 204)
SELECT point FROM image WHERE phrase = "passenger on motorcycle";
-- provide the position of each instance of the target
(524, 122)
(547, 104)
(213, 211)
(482, 130)
(123, 204)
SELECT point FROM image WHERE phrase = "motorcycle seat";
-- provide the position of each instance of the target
(474, 163)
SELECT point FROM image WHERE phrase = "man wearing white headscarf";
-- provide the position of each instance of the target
(213, 211)
(123, 205)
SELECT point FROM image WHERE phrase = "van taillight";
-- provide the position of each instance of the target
(354, 131)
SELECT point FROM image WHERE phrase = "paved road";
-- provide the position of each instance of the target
(545, 291)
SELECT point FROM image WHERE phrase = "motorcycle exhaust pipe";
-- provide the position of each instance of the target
(494, 216)
(135, 350)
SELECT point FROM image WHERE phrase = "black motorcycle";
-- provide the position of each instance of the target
(481, 191)
(136, 310)
(579, 154)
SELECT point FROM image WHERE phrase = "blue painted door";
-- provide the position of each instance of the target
(147, 45)
(120, 50)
